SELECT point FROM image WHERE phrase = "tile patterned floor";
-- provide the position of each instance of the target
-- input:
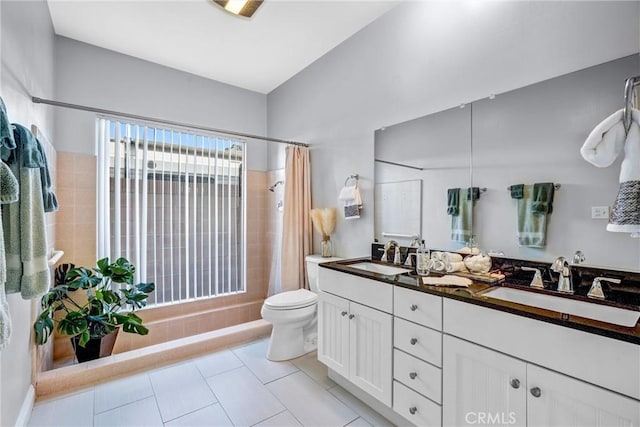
(232, 387)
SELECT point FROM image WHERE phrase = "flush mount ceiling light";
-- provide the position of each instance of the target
(244, 8)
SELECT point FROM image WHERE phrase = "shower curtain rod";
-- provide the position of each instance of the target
(37, 100)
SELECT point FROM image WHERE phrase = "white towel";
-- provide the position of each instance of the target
(605, 141)
(352, 200)
(452, 267)
(447, 280)
(8, 194)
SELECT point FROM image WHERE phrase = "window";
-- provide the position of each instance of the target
(172, 202)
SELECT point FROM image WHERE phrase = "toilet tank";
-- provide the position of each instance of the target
(313, 262)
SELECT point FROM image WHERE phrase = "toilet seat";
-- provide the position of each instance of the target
(291, 300)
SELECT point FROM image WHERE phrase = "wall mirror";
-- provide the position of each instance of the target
(528, 135)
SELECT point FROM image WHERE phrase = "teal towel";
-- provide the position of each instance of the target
(48, 196)
(532, 228)
(26, 149)
(461, 224)
(453, 197)
(517, 191)
(543, 198)
(6, 133)
(473, 193)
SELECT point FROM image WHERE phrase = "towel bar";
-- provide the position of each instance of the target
(555, 186)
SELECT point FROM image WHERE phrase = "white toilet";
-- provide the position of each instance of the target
(294, 316)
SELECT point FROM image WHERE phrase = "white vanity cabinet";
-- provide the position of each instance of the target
(484, 386)
(417, 356)
(355, 331)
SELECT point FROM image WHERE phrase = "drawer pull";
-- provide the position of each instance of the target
(413, 341)
(344, 313)
(536, 392)
(413, 375)
(413, 410)
(515, 383)
(351, 316)
(413, 307)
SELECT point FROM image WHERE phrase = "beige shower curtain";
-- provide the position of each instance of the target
(297, 232)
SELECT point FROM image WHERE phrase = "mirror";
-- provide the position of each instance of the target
(525, 136)
(434, 150)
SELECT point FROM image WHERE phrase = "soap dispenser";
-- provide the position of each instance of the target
(423, 260)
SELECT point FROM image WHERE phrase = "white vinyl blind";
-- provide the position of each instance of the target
(171, 201)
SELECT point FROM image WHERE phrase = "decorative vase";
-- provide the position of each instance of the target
(327, 250)
(95, 348)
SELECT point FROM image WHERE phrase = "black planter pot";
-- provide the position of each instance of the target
(95, 348)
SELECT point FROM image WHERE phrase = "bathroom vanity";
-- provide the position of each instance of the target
(451, 356)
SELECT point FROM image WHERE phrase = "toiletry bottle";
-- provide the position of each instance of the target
(423, 260)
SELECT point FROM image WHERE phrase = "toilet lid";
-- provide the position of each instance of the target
(291, 299)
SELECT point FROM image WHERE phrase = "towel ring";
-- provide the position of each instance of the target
(356, 177)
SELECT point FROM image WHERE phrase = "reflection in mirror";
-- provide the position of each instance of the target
(435, 150)
(393, 197)
(525, 136)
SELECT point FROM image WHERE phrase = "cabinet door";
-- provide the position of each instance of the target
(333, 332)
(370, 351)
(557, 400)
(481, 386)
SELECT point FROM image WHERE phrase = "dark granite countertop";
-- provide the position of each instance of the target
(474, 294)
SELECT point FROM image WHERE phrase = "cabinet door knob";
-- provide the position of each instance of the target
(413, 375)
(351, 316)
(344, 313)
(413, 410)
(515, 383)
(536, 392)
(413, 307)
(413, 341)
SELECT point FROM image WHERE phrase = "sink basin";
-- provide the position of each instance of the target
(602, 313)
(379, 268)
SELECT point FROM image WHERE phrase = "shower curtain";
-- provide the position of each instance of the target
(297, 231)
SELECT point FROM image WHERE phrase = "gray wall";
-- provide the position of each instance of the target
(423, 57)
(27, 52)
(97, 77)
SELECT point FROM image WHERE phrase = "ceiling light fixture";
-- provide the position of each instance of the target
(244, 8)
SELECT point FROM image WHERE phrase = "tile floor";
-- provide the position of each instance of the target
(232, 387)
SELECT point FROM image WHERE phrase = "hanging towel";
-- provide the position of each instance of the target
(7, 142)
(461, 224)
(516, 191)
(542, 198)
(453, 197)
(25, 231)
(8, 194)
(625, 215)
(49, 198)
(350, 196)
(605, 142)
(532, 228)
(473, 193)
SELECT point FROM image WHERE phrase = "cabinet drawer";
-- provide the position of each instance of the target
(414, 407)
(418, 341)
(418, 307)
(420, 376)
(374, 294)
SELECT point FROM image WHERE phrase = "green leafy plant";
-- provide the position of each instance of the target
(111, 297)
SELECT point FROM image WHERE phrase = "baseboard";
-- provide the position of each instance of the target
(373, 403)
(27, 407)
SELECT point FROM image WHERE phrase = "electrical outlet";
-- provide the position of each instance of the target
(600, 212)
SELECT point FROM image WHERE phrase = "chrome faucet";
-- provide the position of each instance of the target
(390, 244)
(596, 287)
(565, 282)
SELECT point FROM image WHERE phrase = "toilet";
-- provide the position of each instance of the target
(294, 316)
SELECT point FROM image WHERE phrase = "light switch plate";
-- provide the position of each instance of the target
(600, 212)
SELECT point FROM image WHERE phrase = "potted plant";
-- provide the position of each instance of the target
(90, 304)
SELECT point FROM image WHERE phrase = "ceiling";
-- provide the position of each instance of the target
(197, 36)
